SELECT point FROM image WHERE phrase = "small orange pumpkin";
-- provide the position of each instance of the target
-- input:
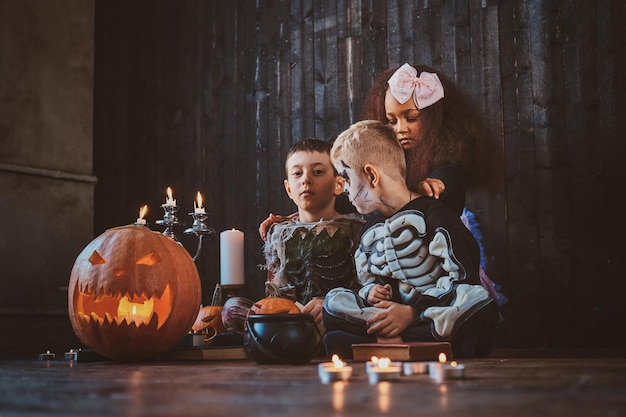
(133, 293)
(274, 303)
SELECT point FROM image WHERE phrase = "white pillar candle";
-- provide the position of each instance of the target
(231, 257)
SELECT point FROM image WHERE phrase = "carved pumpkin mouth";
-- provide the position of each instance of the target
(123, 308)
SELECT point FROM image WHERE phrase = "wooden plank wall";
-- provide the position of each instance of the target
(209, 96)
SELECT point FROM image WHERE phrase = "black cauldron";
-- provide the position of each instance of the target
(281, 338)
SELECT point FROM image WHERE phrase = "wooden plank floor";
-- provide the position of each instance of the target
(508, 383)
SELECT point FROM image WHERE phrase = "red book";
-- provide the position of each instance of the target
(405, 351)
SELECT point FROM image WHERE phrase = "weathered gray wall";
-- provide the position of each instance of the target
(46, 176)
(209, 95)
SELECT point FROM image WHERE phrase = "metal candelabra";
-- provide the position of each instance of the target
(200, 229)
(169, 220)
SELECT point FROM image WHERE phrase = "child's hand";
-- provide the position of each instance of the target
(271, 219)
(392, 321)
(314, 308)
(432, 187)
(379, 293)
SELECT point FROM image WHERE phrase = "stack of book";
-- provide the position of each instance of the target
(405, 351)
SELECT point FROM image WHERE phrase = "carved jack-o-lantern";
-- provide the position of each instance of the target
(209, 320)
(133, 293)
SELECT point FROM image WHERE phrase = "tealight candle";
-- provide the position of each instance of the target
(48, 356)
(373, 362)
(337, 370)
(197, 339)
(71, 355)
(444, 370)
(415, 368)
(384, 371)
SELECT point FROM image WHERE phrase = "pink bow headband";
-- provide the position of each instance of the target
(426, 89)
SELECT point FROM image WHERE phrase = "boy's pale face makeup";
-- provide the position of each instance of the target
(358, 188)
(405, 119)
(312, 185)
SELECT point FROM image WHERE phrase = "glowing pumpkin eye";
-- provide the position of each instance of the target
(149, 259)
(96, 259)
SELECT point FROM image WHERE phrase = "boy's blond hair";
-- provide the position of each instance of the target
(370, 142)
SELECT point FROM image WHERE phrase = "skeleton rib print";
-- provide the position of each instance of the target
(397, 249)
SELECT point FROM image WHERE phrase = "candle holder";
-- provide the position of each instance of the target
(376, 375)
(337, 370)
(373, 364)
(200, 229)
(48, 356)
(71, 355)
(442, 372)
(329, 373)
(415, 368)
(384, 370)
(232, 290)
(170, 219)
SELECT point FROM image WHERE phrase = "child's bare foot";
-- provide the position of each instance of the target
(396, 339)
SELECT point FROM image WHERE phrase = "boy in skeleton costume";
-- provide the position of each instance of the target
(312, 252)
(418, 264)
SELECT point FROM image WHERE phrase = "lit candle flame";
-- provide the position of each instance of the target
(374, 360)
(199, 200)
(143, 210)
(137, 311)
(169, 198)
(337, 363)
(442, 358)
(453, 364)
(383, 363)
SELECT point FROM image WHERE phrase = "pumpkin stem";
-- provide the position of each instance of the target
(217, 296)
(272, 289)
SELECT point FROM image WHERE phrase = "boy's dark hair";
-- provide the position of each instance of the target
(310, 145)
